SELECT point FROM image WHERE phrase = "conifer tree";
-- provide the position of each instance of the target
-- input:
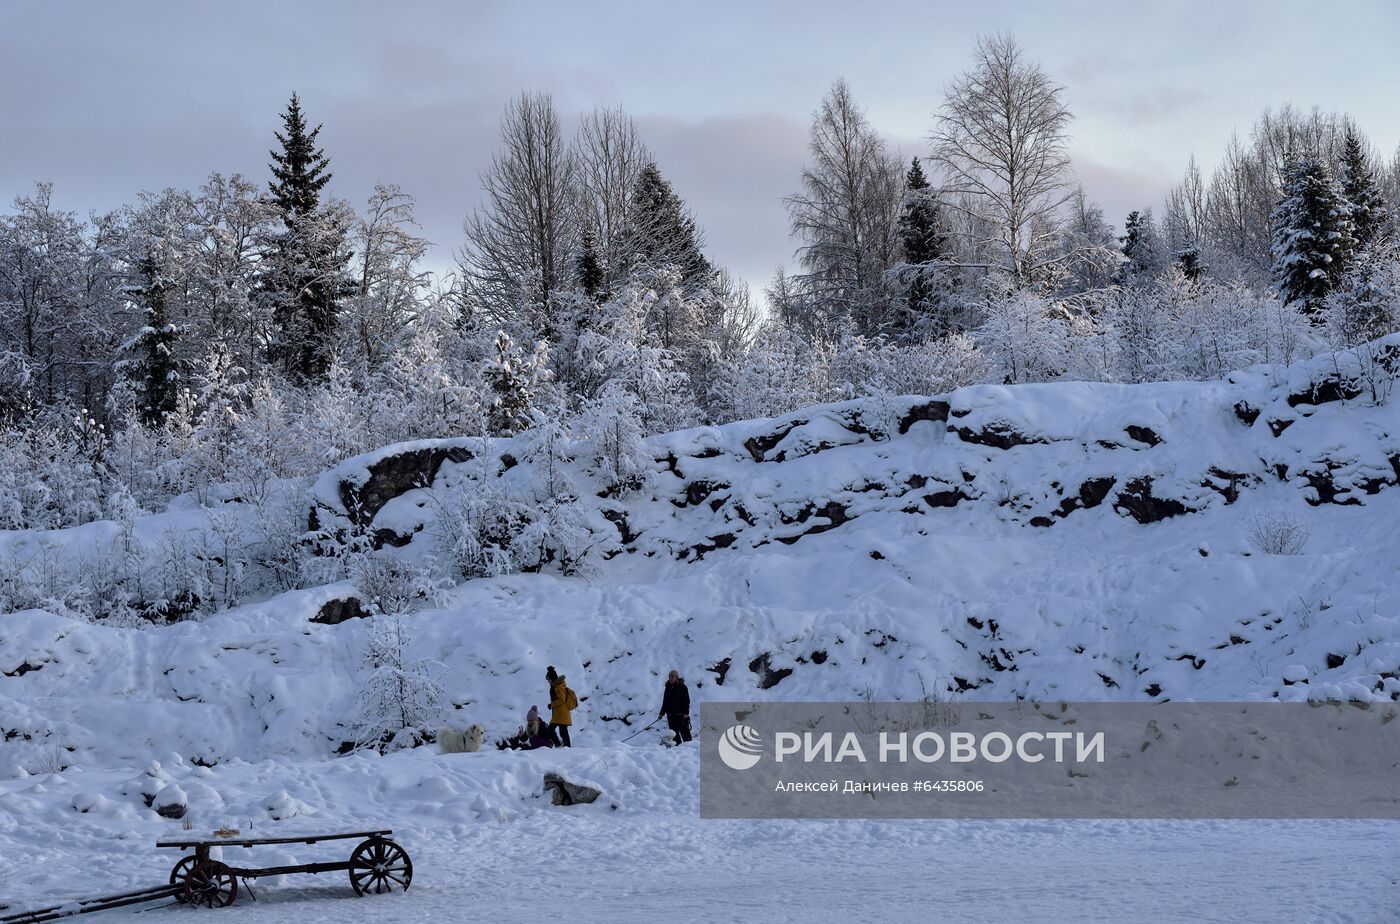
(1312, 237)
(923, 239)
(663, 232)
(306, 264)
(154, 370)
(1368, 212)
(1140, 244)
(920, 226)
(1189, 262)
(589, 271)
(510, 379)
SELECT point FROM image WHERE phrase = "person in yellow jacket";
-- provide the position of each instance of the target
(562, 703)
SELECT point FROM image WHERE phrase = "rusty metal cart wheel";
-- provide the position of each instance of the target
(211, 884)
(180, 874)
(379, 865)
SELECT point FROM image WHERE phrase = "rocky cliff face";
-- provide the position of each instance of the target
(1062, 541)
(1032, 454)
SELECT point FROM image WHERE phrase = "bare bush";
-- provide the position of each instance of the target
(1278, 534)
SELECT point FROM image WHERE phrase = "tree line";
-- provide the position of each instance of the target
(255, 331)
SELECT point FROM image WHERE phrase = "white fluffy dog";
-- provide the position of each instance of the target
(456, 741)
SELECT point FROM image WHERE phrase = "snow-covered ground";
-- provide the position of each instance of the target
(487, 846)
(1050, 542)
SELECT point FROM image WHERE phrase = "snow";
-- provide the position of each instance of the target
(826, 544)
(485, 840)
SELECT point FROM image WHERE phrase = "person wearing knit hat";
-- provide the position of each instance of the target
(562, 703)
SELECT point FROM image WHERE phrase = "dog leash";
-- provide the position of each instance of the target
(640, 730)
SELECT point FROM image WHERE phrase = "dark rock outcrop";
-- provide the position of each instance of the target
(929, 410)
(334, 612)
(997, 435)
(1137, 501)
(562, 792)
(1247, 413)
(395, 475)
(1328, 389)
(768, 677)
(1142, 434)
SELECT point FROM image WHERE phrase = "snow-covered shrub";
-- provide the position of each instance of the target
(1363, 308)
(279, 545)
(779, 373)
(935, 367)
(401, 698)
(1278, 534)
(390, 585)
(621, 348)
(612, 426)
(475, 522)
(555, 532)
(1024, 335)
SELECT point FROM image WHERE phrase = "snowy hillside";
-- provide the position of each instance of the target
(1046, 541)
(1075, 541)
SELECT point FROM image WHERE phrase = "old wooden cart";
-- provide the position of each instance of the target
(376, 865)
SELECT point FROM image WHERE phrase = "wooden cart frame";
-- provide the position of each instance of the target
(377, 865)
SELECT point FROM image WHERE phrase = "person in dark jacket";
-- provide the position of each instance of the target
(675, 706)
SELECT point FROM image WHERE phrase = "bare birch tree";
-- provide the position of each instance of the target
(847, 214)
(610, 155)
(517, 253)
(1001, 141)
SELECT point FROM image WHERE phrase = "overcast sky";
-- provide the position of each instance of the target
(106, 99)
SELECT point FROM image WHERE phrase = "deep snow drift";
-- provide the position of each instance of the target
(1068, 541)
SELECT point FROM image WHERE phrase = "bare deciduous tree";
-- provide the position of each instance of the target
(519, 242)
(389, 282)
(610, 155)
(1001, 141)
(847, 214)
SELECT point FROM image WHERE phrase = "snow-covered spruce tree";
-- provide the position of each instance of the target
(1312, 235)
(662, 233)
(1363, 307)
(924, 243)
(401, 698)
(304, 271)
(153, 367)
(588, 268)
(1142, 250)
(510, 378)
(1369, 215)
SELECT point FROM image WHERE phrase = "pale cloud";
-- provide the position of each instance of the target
(108, 99)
